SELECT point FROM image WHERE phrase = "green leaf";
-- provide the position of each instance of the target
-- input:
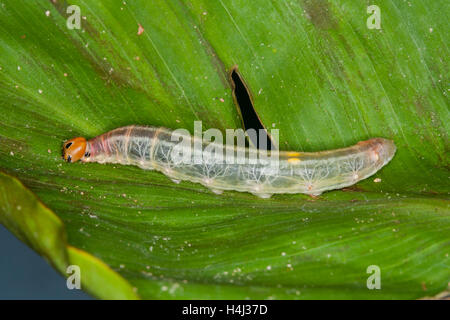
(314, 71)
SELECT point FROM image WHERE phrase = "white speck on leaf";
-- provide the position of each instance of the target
(140, 29)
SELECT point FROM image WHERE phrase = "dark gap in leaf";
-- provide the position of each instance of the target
(248, 114)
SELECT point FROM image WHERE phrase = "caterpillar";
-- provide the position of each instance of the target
(154, 148)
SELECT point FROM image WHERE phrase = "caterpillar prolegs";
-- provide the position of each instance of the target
(226, 167)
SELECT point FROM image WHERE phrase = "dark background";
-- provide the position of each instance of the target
(26, 275)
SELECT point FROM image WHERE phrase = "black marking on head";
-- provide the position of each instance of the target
(87, 154)
(69, 158)
(249, 116)
(68, 145)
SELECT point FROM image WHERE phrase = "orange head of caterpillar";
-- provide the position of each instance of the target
(74, 149)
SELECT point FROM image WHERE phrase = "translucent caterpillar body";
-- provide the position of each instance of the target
(291, 172)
